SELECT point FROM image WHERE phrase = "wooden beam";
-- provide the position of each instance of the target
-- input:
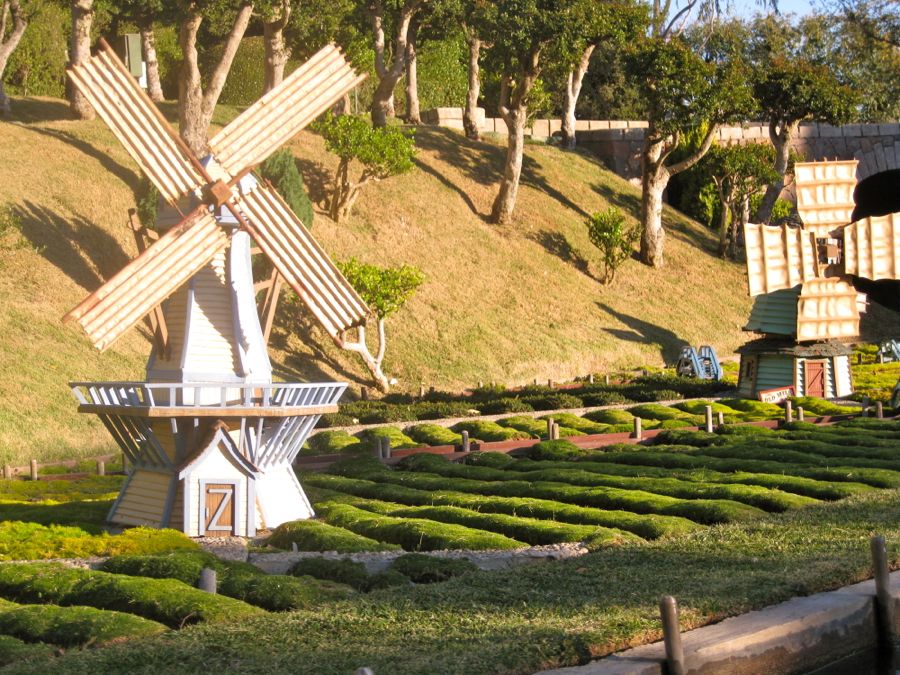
(221, 412)
(155, 320)
(270, 304)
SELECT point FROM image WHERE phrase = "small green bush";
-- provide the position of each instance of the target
(655, 411)
(603, 398)
(580, 423)
(397, 438)
(343, 571)
(699, 408)
(554, 401)
(14, 650)
(386, 579)
(314, 535)
(744, 430)
(488, 431)
(613, 238)
(280, 593)
(754, 411)
(435, 410)
(413, 534)
(699, 439)
(612, 417)
(334, 442)
(555, 450)
(507, 404)
(280, 169)
(492, 460)
(74, 626)
(426, 569)
(432, 434)
(820, 407)
(527, 425)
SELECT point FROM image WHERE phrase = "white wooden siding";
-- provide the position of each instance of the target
(215, 467)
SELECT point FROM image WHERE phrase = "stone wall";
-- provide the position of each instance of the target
(618, 142)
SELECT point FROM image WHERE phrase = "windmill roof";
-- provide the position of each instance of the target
(775, 312)
(787, 347)
(218, 439)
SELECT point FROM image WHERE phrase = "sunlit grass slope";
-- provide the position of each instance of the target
(505, 304)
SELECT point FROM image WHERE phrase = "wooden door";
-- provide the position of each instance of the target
(815, 378)
(218, 513)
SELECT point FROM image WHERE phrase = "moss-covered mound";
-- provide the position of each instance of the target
(314, 535)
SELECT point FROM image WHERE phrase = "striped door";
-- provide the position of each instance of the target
(218, 513)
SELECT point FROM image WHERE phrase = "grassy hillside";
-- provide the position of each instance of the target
(506, 304)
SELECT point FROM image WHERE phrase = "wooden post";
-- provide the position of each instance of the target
(606, 379)
(638, 432)
(208, 580)
(480, 384)
(386, 445)
(101, 467)
(668, 610)
(7, 471)
(549, 428)
(554, 431)
(709, 419)
(549, 384)
(465, 442)
(788, 412)
(363, 671)
(421, 391)
(879, 410)
(800, 414)
(591, 378)
(880, 357)
(859, 358)
(34, 473)
(721, 419)
(364, 393)
(884, 603)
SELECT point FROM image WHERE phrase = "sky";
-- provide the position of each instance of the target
(747, 8)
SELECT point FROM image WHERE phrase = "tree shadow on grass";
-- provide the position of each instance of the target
(83, 251)
(644, 332)
(482, 163)
(28, 110)
(556, 243)
(301, 367)
(316, 179)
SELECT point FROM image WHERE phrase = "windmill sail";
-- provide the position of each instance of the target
(137, 123)
(825, 194)
(872, 247)
(779, 257)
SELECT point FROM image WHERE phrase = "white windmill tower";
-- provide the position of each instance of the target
(802, 281)
(209, 437)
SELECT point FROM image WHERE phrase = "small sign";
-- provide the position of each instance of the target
(776, 395)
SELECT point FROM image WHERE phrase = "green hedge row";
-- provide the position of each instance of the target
(705, 511)
(412, 567)
(67, 627)
(314, 535)
(165, 600)
(238, 580)
(14, 650)
(412, 534)
(647, 526)
(764, 498)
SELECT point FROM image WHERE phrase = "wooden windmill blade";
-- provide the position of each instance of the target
(779, 257)
(137, 123)
(825, 194)
(828, 309)
(150, 278)
(872, 247)
(275, 118)
(305, 266)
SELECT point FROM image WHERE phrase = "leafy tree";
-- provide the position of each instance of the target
(879, 20)
(385, 290)
(608, 232)
(521, 33)
(10, 36)
(738, 172)
(682, 91)
(383, 152)
(790, 88)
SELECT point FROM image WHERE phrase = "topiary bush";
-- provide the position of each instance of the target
(507, 404)
(314, 535)
(555, 450)
(333, 442)
(435, 410)
(603, 398)
(488, 431)
(426, 569)
(555, 401)
(343, 571)
(492, 460)
(397, 438)
(14, 650)
(612, 417)
(699, 439)
(613, 238)
(433, 434)
(582, 424)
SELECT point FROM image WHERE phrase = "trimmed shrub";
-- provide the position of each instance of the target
(165, 600)
(427, 569)
(525, 424)
(612, 417)
(314, 535)
(698, 439)
(820, 407)
(507, 404)
(668, 395)
(413, 534)
(14, 650)
(488, 431)
(397, 438)
(386, 579)
(280, 169)
(73, 626)
(336, 420)
(699, 408)
(555, 450)
(492, 460)
(184, 567)
(333, 442)
(603, 398)
(278, 592)
(435, 410)
(744, 430)
(343, 571)
(655, 411)
(432, 434)
(670, 424)
(556, 401)
(754, 410)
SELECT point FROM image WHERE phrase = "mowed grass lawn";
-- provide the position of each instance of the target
(565, 613)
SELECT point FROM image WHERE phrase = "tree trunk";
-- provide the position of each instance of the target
(723, 222)
(196, 107)
(781, 140)
(571, 94)
(412, 79)
(654, 180)
(470, 114)
(502, 210)
(277, 53)
(8, 45)
(383, 97)
(79, 52)
(148, 44)
(372, 363)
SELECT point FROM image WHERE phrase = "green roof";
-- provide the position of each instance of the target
(775, 312)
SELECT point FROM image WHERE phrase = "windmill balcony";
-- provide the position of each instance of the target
(207, 399)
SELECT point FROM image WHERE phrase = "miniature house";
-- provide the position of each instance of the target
(801, 279)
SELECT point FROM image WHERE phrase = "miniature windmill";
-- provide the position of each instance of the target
(210, 439)
(801, 278)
